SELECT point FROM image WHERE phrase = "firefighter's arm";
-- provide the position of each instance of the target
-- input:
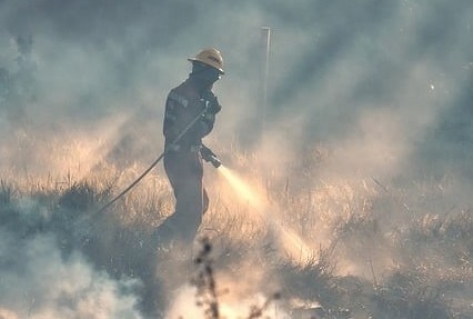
(206, 123)
(212, 107)
(174, 112)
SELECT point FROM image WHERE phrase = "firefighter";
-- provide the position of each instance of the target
(183, 160)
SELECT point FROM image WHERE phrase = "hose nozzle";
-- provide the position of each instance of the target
(209, 156)
(215, 162)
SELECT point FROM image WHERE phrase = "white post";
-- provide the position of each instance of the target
(265, 72)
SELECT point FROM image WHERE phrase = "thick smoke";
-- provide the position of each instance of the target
(384, 88)
(337, 73)
(37, 281)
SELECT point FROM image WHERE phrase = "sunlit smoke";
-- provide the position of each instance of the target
(184, 306)
(294, 245)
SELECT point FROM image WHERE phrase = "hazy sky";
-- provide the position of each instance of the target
(383, 72)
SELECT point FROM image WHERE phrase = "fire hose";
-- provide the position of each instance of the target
(207, 155)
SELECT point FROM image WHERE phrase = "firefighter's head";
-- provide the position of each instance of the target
(208, 65)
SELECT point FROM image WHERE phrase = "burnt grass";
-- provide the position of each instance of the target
(430, 275)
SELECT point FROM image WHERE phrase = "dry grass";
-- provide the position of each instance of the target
(380, 251)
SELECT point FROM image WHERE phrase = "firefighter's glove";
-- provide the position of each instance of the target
(209, 156)
(206, 153)
(214, 107)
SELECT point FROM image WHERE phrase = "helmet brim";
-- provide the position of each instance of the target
(212, 66)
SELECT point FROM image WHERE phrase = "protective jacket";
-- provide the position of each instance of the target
(185, 103)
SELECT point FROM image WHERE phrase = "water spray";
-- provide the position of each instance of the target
(243, 189)
(289, 240)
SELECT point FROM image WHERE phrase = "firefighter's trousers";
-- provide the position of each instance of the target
(185, 173)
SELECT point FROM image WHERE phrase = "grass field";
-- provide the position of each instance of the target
(328, 247)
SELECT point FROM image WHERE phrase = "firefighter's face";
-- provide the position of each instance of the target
(205, 73)
(212, 75)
